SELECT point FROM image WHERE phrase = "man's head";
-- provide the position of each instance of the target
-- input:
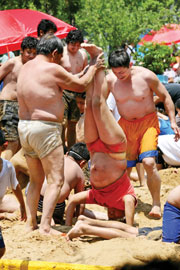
(119, 62)
(80, 100)
(46, 26)
(50, 45)
(80, 153)
(28, 49)
(74, 39)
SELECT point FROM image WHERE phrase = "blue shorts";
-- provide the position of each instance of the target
(171, 224)
(2, 245)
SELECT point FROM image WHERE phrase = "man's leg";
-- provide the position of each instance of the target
(104, 229)
(154, 185)
(109, 131)
(53, 165)
(36, 180)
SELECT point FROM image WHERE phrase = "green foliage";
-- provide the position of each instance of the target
(155, 57)
(107, 23)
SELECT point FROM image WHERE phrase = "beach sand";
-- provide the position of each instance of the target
(93, 250)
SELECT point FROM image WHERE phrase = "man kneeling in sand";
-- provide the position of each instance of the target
(106, 142)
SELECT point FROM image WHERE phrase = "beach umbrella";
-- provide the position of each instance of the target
(15, 24)
(168, 34)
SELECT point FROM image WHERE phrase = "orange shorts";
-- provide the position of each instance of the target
(142, 136)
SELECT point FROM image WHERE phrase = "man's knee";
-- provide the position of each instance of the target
(149, 163)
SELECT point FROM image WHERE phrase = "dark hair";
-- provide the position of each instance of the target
(48, 43)
(177, 104)
(2, 137)
(45, 26)
(79, 151)
(81, 95)
(29, 43)
(74, 36)
(119, 58)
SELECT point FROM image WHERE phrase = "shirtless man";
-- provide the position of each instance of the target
(133, 89)
(106, 142)
(74, 60)
(9, 72)
(41, 111)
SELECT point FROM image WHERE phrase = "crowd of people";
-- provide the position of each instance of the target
(60, 110)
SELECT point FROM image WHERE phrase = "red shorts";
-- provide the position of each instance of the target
(100, 146)
(112, 195)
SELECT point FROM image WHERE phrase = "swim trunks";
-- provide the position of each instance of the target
(39, 138)
(9, 119)
(58, 210)
(171, 224)
(71, 110)
(112, 195)
(2, 245)
(142, 136)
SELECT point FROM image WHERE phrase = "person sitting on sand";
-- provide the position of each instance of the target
(8, 205)
(106, 142)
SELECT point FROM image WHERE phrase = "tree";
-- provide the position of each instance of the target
(111, 23)
(156, 57)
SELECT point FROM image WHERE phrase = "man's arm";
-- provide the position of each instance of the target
(19, 196)
(164, 97)
(71, 82)
(74, 200)
(6, 68)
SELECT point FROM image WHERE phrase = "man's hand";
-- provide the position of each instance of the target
(176, 131)
(23, 213)
(99, 61)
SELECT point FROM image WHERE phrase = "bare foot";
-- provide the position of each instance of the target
(155, 212)
(92, 49)
(29, 228)
(76, 231)
(50, 232)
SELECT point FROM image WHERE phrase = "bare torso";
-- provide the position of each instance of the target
(74, 63)
(11, 71)
(40, 98)
(73, 179)
(105, 170)
(133, 96)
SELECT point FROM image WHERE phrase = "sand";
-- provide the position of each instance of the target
(93, 250)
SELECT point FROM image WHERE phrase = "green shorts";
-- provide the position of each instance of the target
(71, 110)
(9, 119)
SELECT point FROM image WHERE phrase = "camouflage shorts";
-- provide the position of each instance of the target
(71, 110)
(9, 119)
